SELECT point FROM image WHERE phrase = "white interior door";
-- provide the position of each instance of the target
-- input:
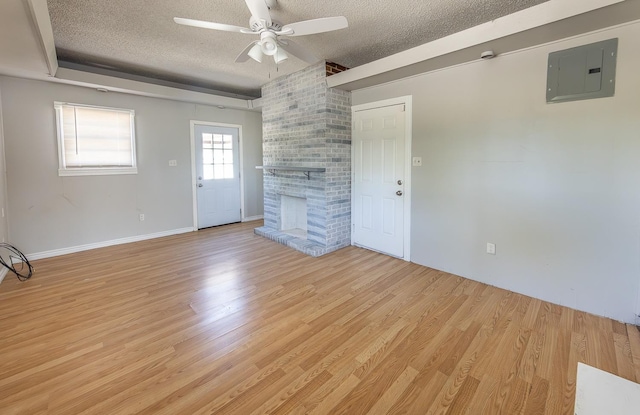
(379, 179)
(217, 175)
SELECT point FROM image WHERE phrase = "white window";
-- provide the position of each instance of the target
(95, 140)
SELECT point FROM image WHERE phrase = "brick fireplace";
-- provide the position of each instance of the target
(307, 125)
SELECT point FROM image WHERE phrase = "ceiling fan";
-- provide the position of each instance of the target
(272, 34)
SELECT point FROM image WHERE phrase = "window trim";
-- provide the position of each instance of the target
(93, 171)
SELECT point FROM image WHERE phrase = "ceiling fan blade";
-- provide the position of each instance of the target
(298, 51)
(259, 10)
(244, 55)
(310, 27)
(210, 25)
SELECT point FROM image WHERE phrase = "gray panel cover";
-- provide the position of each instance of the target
(583, 72)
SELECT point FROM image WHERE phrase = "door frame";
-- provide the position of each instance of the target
(192, 126)
(407, 100)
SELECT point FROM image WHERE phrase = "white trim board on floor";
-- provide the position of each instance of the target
(79, 248)
(599, 392)
(3, 273)
(252, 218)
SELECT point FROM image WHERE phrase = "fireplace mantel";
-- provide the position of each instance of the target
(306, 170)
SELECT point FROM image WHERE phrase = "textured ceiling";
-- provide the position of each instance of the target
(140, 38)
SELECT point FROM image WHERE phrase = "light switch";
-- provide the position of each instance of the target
(417, 161)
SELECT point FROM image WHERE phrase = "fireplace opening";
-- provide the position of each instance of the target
(293, 216)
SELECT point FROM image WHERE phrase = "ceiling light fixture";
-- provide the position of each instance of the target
(280, 55)
(268, 43)
(256, 53)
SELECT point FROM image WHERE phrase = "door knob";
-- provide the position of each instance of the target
(399, 192)
(200, 185)
(199, 177)
(400, 182)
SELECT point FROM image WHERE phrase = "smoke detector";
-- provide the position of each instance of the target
(487, 54)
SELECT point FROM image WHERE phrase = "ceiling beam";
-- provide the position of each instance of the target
(544, 23)
(128, 86)
(42, 22)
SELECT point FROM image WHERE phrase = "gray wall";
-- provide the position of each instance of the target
(4, 234)
(555, 187)
(48, 212)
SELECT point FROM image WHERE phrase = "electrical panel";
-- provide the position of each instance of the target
(584, 72)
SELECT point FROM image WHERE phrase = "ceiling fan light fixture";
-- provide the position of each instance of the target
(280, 55)
(256, 53)
(269, 46)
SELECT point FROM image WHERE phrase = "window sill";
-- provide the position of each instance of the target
(104, 171)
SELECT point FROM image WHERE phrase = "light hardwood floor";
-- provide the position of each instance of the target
(223, 321)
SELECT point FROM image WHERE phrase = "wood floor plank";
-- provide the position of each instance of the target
(531, 358)
(295, 394)
(633, 333)
(537, 399)
(419, 398)
(506, 368)
(455, 386)
(518, 396)
(464, 396)
(336, 395)
(483, 396)
(391, 395)
(224, 321)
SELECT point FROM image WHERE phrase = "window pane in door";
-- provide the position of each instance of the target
(217, 141)
(207, 155)
(228, 156)
(227, 141)
(207, 171)
(207, 140)
(218, 156)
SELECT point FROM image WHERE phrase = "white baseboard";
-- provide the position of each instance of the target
(3, 273)
(79, 248)
(252, 218)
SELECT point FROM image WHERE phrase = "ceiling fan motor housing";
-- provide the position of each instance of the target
(258, 25)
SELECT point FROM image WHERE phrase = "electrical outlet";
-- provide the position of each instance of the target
(141, 217)
(417, 161)
(173, 163)
(491, 248)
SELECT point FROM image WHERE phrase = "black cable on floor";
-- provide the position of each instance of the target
(15, 261)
